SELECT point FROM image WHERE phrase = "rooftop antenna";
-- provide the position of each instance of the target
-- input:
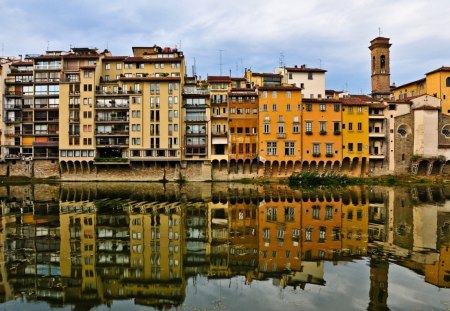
(281, 59)
(220, 61)
(194, 69)
(379, 31)
(320, 63)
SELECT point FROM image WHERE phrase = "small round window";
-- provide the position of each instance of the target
(446, 131)
(403, 130)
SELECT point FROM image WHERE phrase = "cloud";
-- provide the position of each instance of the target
(251, 33)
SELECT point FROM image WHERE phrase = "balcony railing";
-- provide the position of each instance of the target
(47, 67)
(281, 135)
(112, 106)
(113, 133)
(13, 106)
(118, 92)
(112, 119)
(13, 120)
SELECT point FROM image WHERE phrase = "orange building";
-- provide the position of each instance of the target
(279, 129)
(321, 136)
(243, 125)
(321, 229)
(279, 236)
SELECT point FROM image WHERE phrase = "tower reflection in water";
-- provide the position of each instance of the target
(88, 246)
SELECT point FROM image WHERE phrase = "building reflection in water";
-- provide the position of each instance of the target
(80, 246)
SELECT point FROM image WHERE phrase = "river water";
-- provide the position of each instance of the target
(203, 246)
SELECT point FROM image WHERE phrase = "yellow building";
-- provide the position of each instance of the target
(263, 78)
(219, 87)
(436, 83)
(280, 144)
(355, 135)
(321, 134)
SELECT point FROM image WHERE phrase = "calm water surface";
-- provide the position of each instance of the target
(200, 246)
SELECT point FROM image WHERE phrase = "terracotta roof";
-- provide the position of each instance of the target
(320, 100)
(279, 87)
(304, 69)
(404, 100)
(365, 98)
(150, 79)
(377, 105)
(409, 83)
(114, 58)
(426, 107)
(152, 60)
(354, 101)
(226, 79)
(79, 56)
(22, 63)
(48, 57)
(265, 74)
(443, 68)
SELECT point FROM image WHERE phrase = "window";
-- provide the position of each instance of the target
(322, 234)
(350, 109)
(265, 94)
(272, 214)
(308, 234)
(295, 128)
(323, 107)
(272, 148)
(266, 128)
(329, 149)
(280, 129)
(328, 212)
(359, 126)
(288, 94)
(308, 107)
(308, 126)
(350, 126)
(136, 141)
(274, 107)
(288, 107)
(350, 147)
(359, 109)
(360, 147)
(87, 87)
(323, 126)
(336, 127)
(289, 148)
(337, 107)
(316, 149)
(136, 127)
(107, 66)
(310, 75)
(274, 94)
(447, 83)
(136, 113)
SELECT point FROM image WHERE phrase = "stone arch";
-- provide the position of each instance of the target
(305, 166)
(289, 168)
(282, 169)
(313, 166)
(346, 164)
(422, 168)
(215, 165)
(275, 168)
(364, 166)
(336, 166)
(321, 167)
(446, 169)
(239, 166)
(91, 166)
(84, 167)
(267, 169)
(77, 166)
(354, 165)
(247, 169)
(223, 165)
(328, 166)
(253, 166)
(436, 169)
(297, 166)
(63, 167)
(70, 167)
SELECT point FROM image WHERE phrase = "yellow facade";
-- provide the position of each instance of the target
(321, 131)
(279, 125)
(355, 130)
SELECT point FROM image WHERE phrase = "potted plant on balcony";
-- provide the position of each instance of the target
(323, 132)
(329, 154)
(308, 132)
(316, 154)
(337, 132)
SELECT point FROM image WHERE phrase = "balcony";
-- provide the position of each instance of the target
(111, 119)
(376, 156)
(281, 135)
(196, 119)
(323, 132)
(376, 115)
(13, 106)
(46, 155)
(329, 154)
(46, 144)
(47, 67)
(112, 105)
(118, 92)
(308, 132)
(113, 133)
(316, 154)
(158, 154)
(111, 160)
(12, 133)
(112, 142)
(13, 120)
(377, 132)
(337, 132)
(219, 134)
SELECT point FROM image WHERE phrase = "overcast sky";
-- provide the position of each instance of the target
(333, 35)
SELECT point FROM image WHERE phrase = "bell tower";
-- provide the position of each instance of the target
(381, 74)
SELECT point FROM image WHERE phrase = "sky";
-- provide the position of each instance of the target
(332, 35)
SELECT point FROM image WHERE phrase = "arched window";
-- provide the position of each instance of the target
(383, 64)
(446, 131)
(373, 64)
(403, 130)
